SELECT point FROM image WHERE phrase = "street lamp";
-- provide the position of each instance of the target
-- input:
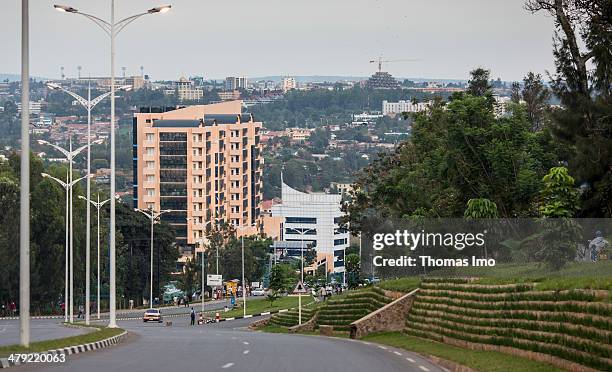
(69, 154)
(153, 216)
(301, 232)
(201, 241)
(88, 104)
(24, 180)
(68, 187)
(98, 205)
(243, 282)
(112, 29)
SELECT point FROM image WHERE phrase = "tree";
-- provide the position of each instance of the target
(559, 195)
(583, 82)
(516, 92)
(478, 85)
(536, 97)
(353, 270)
(480, 208)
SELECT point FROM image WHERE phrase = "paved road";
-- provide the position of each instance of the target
(228, 346)
(41, 329)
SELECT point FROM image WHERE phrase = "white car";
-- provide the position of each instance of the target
(258, 292)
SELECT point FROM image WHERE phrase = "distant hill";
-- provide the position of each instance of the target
(17, 77)
(333, 78)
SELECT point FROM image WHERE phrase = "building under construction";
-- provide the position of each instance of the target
(382, 80)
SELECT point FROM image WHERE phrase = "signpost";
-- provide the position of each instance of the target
(214, 280)
(299, 290)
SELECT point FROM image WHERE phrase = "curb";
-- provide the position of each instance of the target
(33, 317)
(69, 350)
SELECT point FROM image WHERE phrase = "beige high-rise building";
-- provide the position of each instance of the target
(202, 162)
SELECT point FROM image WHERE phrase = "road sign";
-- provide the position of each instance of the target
(255, 285)
(214, 280)
(299, 288)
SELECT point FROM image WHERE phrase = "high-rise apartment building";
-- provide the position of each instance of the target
(288, 83)
(202, 162)
(234, 83)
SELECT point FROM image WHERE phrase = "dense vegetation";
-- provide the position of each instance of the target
(48, 202)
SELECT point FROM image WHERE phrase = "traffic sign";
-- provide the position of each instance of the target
(299, 288)
(214, 280)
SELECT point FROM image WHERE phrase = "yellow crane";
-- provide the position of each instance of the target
(380, 61)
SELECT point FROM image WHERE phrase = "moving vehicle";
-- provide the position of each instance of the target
(152, 314)
(258, 292)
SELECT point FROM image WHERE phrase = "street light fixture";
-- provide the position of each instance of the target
(69, 154)
(88, 104)
(98, 205)
(244, 305)
(68, 187)
(153, 216)
(112, 29)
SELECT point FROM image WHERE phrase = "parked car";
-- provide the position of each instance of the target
(153, 315)
(258, 292)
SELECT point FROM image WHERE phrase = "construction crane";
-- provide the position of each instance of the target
(380, 61)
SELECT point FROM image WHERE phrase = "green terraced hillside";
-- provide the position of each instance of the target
(574, 325)
(291, 317)
(341, 311)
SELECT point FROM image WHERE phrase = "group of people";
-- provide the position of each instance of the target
(10, 310)
(326, 292)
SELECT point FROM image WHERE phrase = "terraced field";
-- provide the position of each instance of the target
(339, 311)
(572, 326)
(291, 317)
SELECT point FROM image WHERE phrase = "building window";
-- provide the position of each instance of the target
(150, 137)
(150, 151)
(340, 241)
(150, 192)
(309, 220)
(150, 164)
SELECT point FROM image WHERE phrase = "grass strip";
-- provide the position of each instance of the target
(485, 361)
(58, 343)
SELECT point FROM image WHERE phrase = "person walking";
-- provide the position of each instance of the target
(193, 316)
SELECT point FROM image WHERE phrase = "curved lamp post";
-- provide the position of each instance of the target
(112, 29)
(88, 104)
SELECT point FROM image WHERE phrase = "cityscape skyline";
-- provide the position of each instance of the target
(443, 30)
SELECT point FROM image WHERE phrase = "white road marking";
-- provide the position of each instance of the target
(244, 342)
(382, 347)
(424, 368)
(245, 352)
(227, 365)
(410, 360)
(397, 353)
(367, 343)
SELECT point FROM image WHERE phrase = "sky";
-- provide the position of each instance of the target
(255, 38)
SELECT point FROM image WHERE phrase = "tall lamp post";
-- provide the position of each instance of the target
(98, 204)
(243, 281)
(301, 232)
(68, 187)
(88, 104)
(201, 241)
(24, 193)
(153, 216)
(112, 29)
(70, 154)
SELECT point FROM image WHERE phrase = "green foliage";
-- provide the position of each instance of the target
(559, 196)
(281, 277)
(480, 208)
(271, 297)
(353, 270)
(458, 152)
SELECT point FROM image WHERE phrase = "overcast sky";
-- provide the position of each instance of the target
(275, 37)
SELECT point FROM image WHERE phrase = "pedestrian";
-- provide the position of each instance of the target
(80, 312)
(193, 316)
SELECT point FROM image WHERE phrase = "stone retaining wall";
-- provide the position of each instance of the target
(391, 317)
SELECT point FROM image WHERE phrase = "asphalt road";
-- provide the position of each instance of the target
(229, 346)
(41, 329)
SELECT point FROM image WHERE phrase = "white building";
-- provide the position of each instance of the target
(314, 218)
(288, 83)
(394, 108)
(501, 105)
